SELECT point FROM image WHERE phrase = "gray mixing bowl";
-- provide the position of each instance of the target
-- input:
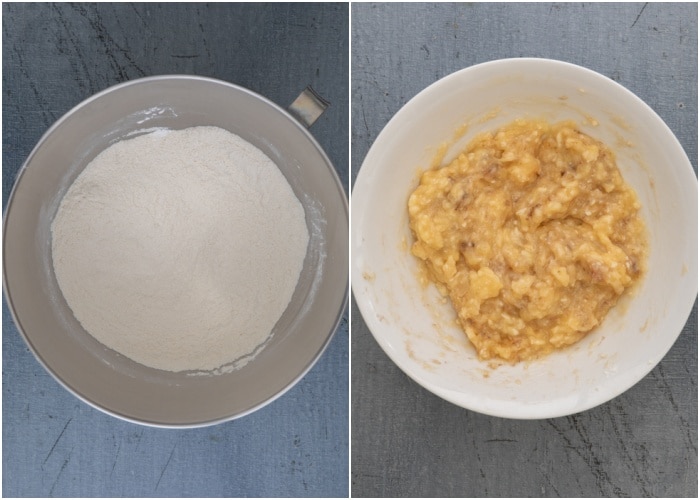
(108, 380)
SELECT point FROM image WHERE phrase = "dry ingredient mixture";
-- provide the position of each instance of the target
(533, 235)
(180, 249)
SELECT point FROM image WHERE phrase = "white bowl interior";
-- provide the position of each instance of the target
(416, 328)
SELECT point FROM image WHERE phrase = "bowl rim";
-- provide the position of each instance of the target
(497, 408)
(7, 296)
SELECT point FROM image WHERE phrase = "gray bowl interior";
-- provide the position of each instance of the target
(103, 377)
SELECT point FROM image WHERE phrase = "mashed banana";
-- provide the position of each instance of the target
(532, 233)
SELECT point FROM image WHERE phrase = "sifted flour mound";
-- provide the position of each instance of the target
(180, 249)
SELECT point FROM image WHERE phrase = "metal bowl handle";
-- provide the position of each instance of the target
(308, 106)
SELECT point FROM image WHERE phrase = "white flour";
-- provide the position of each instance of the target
(180, 249)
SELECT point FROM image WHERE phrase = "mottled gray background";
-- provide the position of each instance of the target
(56, 55)
(407, 442)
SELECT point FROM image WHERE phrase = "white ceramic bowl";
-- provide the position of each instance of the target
(417, 330)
